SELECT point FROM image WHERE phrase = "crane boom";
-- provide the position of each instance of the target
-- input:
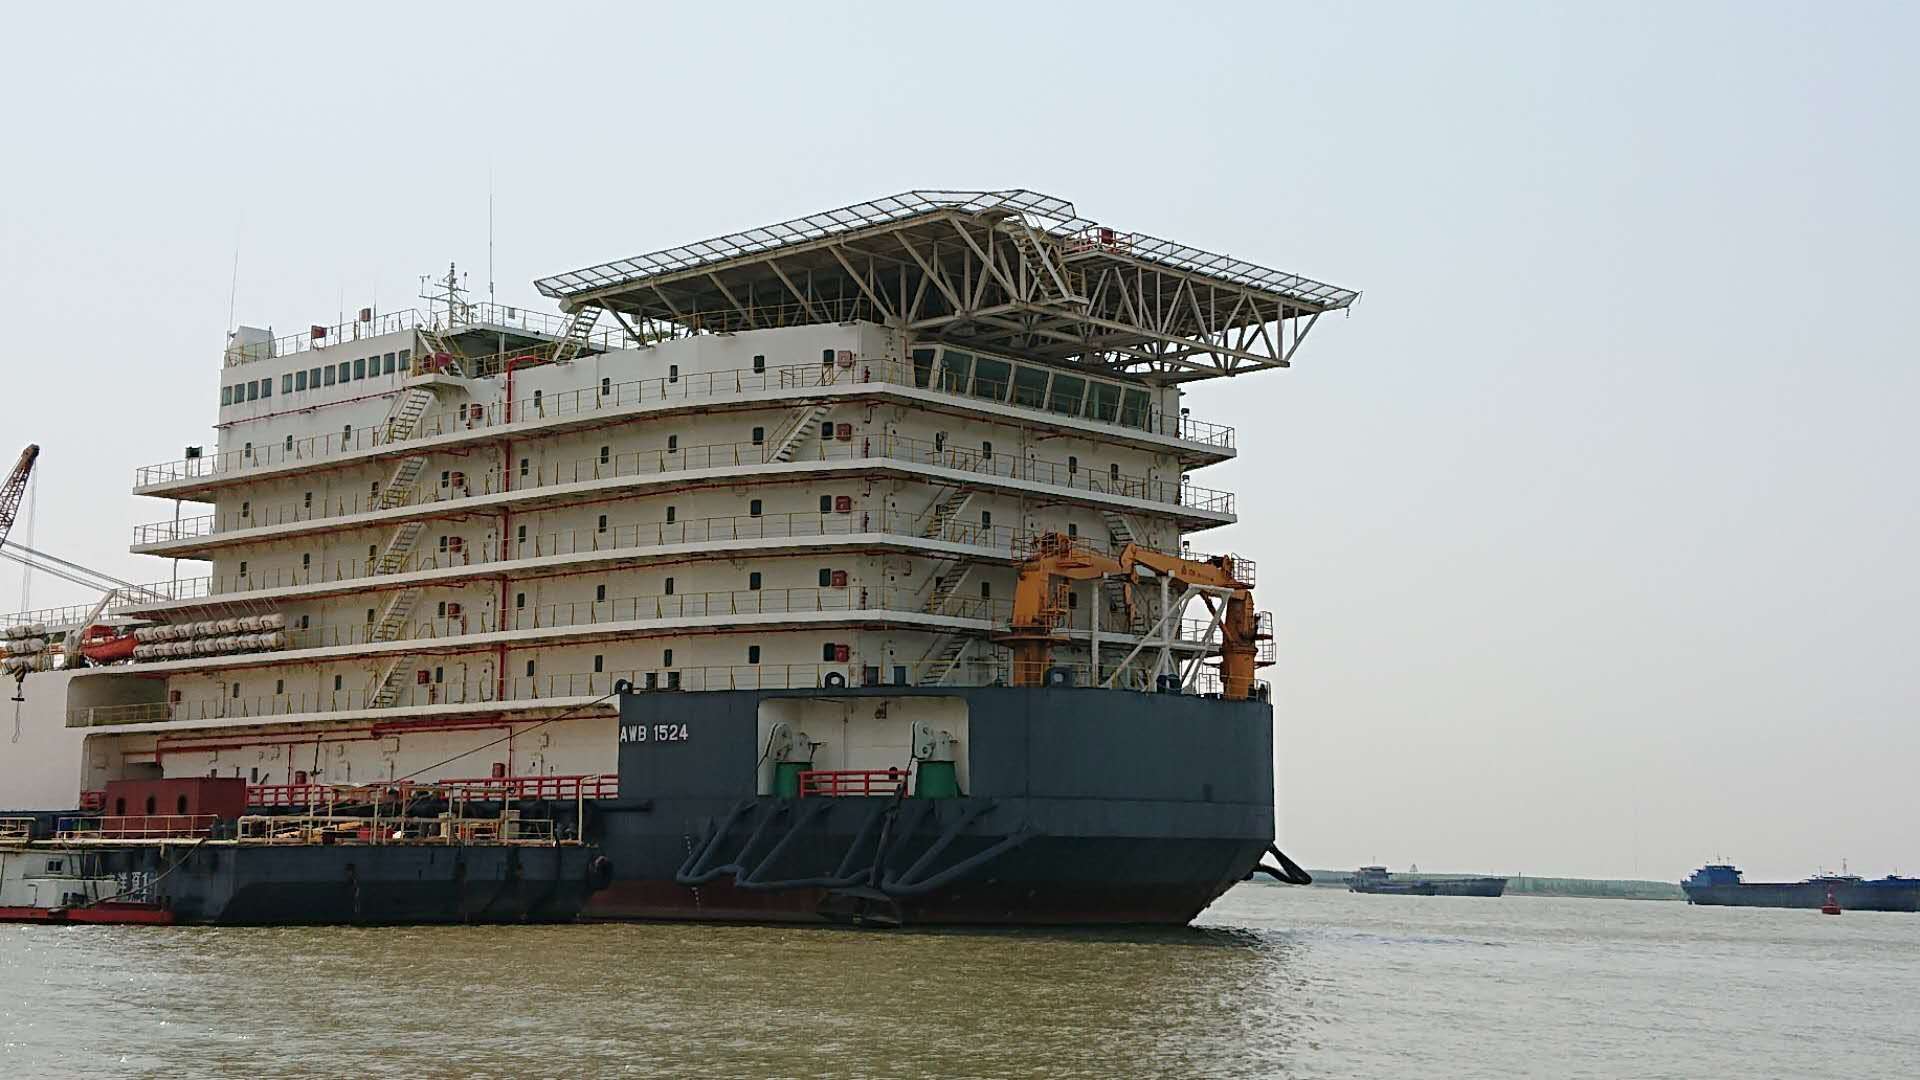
(15, 489)
(1039, 607)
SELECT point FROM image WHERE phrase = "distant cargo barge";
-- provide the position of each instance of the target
(1376, 879)
(1720, 885)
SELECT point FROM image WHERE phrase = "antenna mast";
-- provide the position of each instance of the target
(449, 292)
(490, 297)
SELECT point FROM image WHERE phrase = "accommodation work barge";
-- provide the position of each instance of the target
(838, 569)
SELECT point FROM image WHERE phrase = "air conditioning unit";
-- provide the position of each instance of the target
(845, 359)
(844, 432)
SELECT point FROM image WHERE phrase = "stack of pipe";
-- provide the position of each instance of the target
(26, 649)
(214, 637)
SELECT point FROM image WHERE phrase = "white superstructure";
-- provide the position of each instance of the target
(788, 457)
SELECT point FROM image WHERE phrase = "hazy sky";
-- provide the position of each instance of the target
(1590, 534)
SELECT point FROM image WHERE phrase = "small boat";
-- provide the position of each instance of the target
(105, 645)
(111, 912)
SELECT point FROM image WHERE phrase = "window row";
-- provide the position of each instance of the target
(1032, 386)
(315, 378)
(829, 578)
(241, 393)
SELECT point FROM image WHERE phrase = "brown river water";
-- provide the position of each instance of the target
(1272, 982)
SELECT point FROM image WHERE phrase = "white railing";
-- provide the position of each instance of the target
(625, 395)
(997, 540)
(731, 603)
(477, 316)
(566, 690)
(1066, 475)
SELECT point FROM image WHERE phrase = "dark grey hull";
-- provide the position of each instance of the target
(1851, 896)
(1085, 807)
(373, 884)
(1395, 888)
(1478, 886)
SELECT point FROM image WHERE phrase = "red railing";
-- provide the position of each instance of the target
(837, 782)
(473, 789)
(494, 788)
(285, 794)
(138, 827)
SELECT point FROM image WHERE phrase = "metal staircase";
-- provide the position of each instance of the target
(400, 485)
(402, 421)
(403, 416)
(1049, 283)
(573, 340)
(384, 690)
(393, 618)
(393, 558)
(1122, 528)
(782, 448)
(944, 512)
(946, 584)
(1113, 594)
(940, 660)
(434, 342)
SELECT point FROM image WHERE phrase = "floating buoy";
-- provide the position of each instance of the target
(1832, 906)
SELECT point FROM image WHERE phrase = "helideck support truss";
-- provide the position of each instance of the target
(1007, 271)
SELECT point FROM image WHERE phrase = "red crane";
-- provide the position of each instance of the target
(16, 488)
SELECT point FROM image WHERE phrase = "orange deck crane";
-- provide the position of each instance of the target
(1054, 559)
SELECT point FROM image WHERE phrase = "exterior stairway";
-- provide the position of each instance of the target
(1123, 530)
(940, 660)
(946, 584)
(573, 341)
(434, 343)
(402, 421)
(393, 618)
(944, 512)
(400, 485)
(384, 690)
(403, 418)
(393, 558)
(802, 422)
(1113, 593)
(1049, 285)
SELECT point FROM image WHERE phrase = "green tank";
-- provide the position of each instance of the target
(937, 780)
(786, 778)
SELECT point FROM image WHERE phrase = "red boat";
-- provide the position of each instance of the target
(113, 912)
(104, 645)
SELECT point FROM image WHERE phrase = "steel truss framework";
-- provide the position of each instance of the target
(1011, 271)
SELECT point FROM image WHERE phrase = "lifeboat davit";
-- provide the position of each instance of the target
(104, 645)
